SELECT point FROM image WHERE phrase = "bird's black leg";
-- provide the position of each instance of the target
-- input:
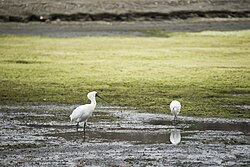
(175, 118)
(77, 125)
(84, 127)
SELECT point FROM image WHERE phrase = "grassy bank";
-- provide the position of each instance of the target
(209, 72)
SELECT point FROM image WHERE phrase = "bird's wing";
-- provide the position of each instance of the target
(175, 104)
(79, 113)
(172, 104)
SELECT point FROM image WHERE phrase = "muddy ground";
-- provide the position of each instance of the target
(124, 10)
(123, 18)
(42, 135)
(76, 29)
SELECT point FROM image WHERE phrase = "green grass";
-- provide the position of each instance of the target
(208, 72)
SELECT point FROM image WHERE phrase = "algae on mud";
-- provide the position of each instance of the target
(204, 71)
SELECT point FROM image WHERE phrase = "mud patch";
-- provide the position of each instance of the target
(246, 107)
(41, 135)
(132, 28)
(243, 107)
(136, 16)
(124, 10)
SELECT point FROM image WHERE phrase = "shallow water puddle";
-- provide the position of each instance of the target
(41, 135)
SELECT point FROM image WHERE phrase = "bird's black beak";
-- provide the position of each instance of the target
(98, 96)
(101, 98)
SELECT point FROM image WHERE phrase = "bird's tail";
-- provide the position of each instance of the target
(71, 118)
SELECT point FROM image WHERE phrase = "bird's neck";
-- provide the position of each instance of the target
(93, 103)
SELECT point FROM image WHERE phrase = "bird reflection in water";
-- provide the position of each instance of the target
(175, 136)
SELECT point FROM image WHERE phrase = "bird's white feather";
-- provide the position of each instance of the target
(175, 107)
(81, 113)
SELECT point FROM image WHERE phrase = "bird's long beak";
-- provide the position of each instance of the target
(101, 98)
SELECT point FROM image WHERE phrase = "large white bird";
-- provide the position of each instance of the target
(84, 112)
(175, 107)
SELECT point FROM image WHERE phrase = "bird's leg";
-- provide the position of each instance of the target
(175, 118)
(77, 125)
(84, 127)
(84, 135)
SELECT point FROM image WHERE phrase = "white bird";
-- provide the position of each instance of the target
(84, 112)
(175, 107)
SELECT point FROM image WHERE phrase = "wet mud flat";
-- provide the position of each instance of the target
(41, 135)
(132, 28)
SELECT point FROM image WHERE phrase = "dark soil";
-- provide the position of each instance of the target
(120, 18)
(42, 135)
(124, 10)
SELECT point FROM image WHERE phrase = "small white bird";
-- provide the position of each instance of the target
(175, 107)
(84, 112)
